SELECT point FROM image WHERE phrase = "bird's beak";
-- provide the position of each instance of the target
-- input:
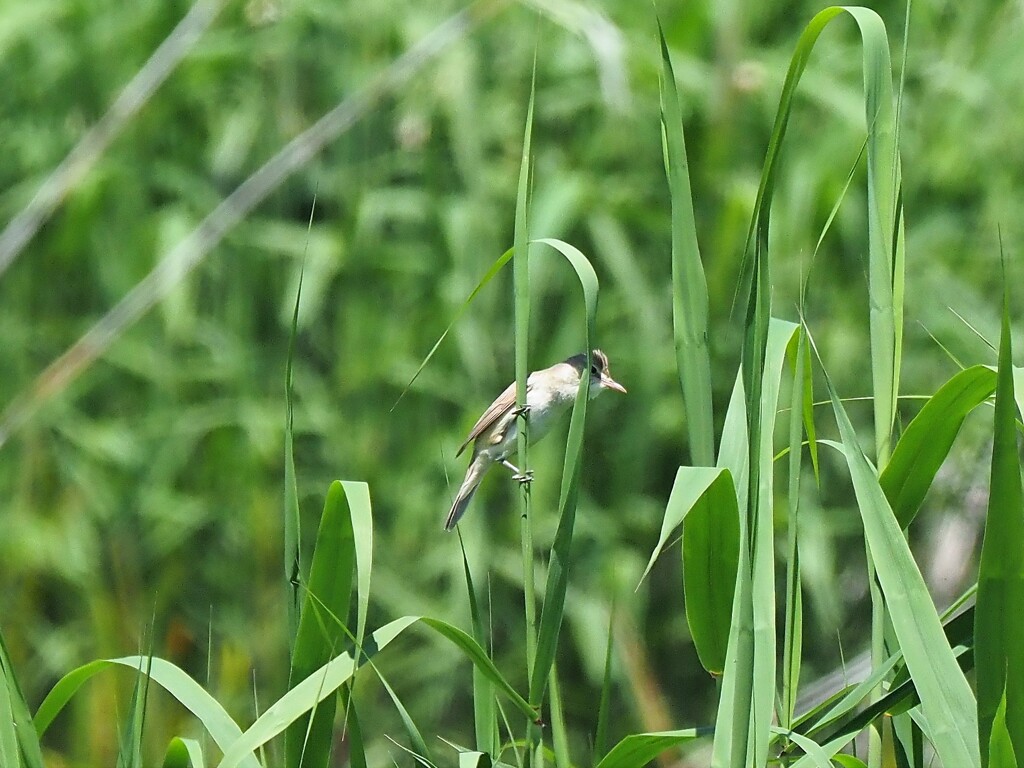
(609, 383)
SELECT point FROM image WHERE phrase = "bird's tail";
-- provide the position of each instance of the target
(474, 474)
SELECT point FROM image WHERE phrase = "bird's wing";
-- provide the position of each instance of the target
(504, 403)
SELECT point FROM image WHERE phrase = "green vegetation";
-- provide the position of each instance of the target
(210, 362)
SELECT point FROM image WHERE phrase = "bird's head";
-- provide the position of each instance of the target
(600, 377)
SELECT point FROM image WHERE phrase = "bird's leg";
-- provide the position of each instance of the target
(519, 476)
(522, 410)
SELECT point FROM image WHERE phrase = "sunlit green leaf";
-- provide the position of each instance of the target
(999, 613)
(926, 442)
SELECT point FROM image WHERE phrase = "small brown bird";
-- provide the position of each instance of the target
(549, 393)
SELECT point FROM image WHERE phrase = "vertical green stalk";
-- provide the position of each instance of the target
(885, 281)
(292, 534)
(521, 287)
(792, 643)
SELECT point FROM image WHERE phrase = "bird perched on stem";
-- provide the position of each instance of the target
(549, 393)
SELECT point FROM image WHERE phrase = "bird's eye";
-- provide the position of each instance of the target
(594, 371)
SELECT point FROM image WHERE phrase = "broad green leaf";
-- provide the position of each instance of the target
(10, 752)
(19, 741)
(849, 761)
(184, 753)
(1000, 748)
(926, 442)
(703, 501)
(946, 697)
(323, 629)
(999, 613)
(690, 485)
(711, 541)
(689, 284)
(732, 452)
(640, 748)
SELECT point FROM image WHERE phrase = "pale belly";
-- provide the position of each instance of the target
(544, 414)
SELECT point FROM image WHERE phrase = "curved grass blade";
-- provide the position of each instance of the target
(836, 717)
(946, 698)
(239, 746)
(689, 284)
(339, 670)
(472, 650)
(641, 748)
(999, 613)
(926, 442)
(558, 564)
(420, 759)
(493, 270)
(222, 729)
(419, 745)
(737, 744)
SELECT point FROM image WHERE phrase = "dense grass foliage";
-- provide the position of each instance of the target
(142, 475)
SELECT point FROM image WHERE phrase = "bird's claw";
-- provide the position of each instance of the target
(522, 410)
(523, 477)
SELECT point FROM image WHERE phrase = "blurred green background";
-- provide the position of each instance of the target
(141, 506)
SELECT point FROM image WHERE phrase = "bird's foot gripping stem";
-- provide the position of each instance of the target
(523, 477)
(519, 476)
(522, 410)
